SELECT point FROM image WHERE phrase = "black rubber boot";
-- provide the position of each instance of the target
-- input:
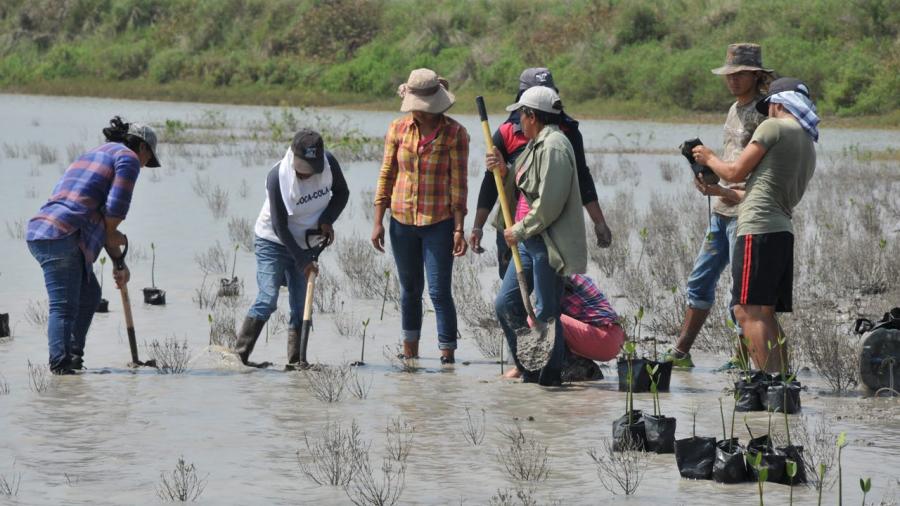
(293, 350)
(246, 339)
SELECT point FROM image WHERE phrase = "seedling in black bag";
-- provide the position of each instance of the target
(762, 473)
(231, 287)
(659, 430)
(790, 467)
(103, 305)
(628, 430)
(153, 295)
(695, 455)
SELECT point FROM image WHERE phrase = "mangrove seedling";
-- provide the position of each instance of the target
(362, 351)
(841, 443)
(659, 430)
(865, 485)
(762, 473)
(790, 467)
(821, 482)
(387, 282)
(103, 305)
(153, 295)
(629, 397)
(231, 287)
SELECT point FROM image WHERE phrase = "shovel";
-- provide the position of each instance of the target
(534, 345)
(119, 264)
(315, 251)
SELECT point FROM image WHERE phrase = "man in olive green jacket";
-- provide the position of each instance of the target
(549, 228)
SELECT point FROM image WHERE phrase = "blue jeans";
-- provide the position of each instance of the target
(547, 287)
(419, 251)
(275, 267)
(714, 256)
(73, 293)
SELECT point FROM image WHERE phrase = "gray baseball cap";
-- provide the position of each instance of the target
(539, 98)
(536, 76)
(146, 134)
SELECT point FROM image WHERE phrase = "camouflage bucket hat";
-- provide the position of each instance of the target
(741, 57)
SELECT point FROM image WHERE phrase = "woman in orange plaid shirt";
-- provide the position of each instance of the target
(423, 182)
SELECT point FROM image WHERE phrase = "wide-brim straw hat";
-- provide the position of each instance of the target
(425, 91)
(742, 57)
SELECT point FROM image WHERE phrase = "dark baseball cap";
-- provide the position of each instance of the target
(781, 85)
(309, 152)
(146, 134)
(536, 76)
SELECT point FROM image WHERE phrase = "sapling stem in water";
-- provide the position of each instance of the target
(821, 484)
(785, 383)
(733, 411)
(362, 352)
(629, 352)
(234, 261)
(387, 281)
(102, 268)
(722, 416)
(841, 443)
(790, 467)
(153, 265)
(694, 410)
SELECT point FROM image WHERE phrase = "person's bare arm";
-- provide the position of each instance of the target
(735, 171)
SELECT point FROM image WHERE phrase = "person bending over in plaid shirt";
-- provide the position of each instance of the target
(423, 182)
(590, 324)
(82, 216)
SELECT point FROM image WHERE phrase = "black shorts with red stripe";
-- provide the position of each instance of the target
(762, 266)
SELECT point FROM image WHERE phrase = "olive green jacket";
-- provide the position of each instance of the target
(550, 185)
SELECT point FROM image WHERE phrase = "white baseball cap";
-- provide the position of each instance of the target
(539, 98)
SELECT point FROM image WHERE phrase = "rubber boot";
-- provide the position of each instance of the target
(246, 340)
(447, 357)
(693, 321)
(293, 350)
(410, 350)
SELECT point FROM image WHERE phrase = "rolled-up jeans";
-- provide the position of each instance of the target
(276, 267)
(715, 255)
(421, 251)
(73, 294)
(547, 287)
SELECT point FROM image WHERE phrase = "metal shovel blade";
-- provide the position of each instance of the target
(534, 345)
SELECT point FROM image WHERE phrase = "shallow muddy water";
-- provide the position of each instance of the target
(105, 438)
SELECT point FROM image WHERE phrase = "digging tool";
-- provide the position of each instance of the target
(119, 264)
(315, 251)
(537, 354)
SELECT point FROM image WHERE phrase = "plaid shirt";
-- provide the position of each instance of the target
(584, 301)
(99, 183)
(424, 184)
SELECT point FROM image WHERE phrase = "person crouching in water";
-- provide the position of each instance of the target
(549, 229)
(82, 216)
(306, 190)
(591, 328)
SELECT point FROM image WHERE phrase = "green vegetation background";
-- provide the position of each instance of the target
(631, 58)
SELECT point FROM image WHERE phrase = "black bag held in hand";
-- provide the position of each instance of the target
(701, 171)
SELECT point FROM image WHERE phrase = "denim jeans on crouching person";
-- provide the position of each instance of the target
(547, 287)
(73, 294)
(714, 256)
(275, 267)
(421, 251)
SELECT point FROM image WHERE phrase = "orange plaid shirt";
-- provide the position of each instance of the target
(425, 184)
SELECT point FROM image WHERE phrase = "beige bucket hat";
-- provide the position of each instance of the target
(741, 57)
(425, 91)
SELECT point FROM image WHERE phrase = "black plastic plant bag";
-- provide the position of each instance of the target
(695, 457)
(794, 453)
(103, 306)
(4, 324)
(663, 374)
(154, 296)
(640, 378)
(660, 433)
(774, 461)
(729, 466)
(629, 436)
(778, 402)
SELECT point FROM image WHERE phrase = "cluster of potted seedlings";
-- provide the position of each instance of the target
(703, 458)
